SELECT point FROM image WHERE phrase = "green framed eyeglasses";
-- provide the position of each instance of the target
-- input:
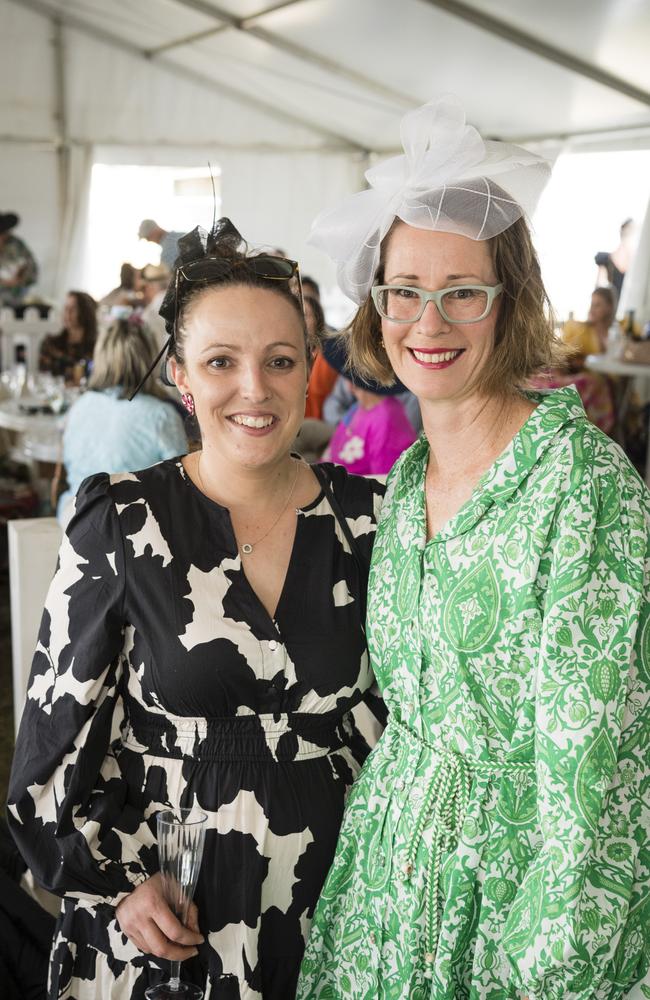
(459, 304)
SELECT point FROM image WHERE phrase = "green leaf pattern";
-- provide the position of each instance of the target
(519, 638)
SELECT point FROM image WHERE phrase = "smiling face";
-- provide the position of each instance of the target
(245, 365)
(435, 359)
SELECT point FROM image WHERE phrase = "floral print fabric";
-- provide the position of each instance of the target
(497, 841)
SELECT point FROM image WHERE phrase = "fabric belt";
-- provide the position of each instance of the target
(444, 808)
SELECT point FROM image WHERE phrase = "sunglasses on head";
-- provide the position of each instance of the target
(211, 269)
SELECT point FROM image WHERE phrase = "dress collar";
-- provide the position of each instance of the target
(555, 410)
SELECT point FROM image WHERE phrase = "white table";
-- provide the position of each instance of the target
(40, 433)
(612, 366)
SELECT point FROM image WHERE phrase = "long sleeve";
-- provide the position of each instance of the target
(67, 805)
(574, 925)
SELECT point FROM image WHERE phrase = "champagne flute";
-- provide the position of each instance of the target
(181, 835)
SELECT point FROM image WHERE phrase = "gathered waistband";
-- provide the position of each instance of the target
(287, 737)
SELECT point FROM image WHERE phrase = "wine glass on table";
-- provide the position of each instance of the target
(181, 835)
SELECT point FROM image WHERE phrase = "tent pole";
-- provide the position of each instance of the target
(45, 8)
(533, 44)
(249, 26)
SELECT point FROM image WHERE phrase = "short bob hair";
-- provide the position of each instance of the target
(123, 354)
(525, 342)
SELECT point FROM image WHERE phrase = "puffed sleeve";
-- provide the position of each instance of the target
(576, 925)
(67, 804)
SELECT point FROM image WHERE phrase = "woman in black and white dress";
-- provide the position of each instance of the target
(202, 644)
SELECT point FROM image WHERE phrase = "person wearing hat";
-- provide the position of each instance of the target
(167, 241)
(495, 845)
(18, 269)
(375, 431)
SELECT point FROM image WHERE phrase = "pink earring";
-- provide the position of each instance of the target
(188, 402)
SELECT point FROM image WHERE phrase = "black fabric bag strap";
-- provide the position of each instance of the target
(323, 479)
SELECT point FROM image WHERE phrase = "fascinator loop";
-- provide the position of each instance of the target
(223, 240)
(448, 179)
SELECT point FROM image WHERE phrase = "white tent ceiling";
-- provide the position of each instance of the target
(323, 82)
(338, 72)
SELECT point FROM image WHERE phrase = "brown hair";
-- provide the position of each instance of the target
(86, 318)
(239, 275)
(525, 341)
(608, 294)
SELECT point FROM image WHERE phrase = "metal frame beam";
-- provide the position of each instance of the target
(228, 21)
(247, 25)
(225, 90)
(533, 44)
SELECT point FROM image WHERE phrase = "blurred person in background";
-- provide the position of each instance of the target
(18, 269)
(128, 292)
(322, 376)
(167, 241)
(154, 278)
(375, 430)
(612, 267)
(105, 430)
(581, 339)
(591, 337)
(67, 353)
(310, 287)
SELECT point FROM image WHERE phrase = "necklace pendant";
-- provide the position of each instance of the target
(247, 548)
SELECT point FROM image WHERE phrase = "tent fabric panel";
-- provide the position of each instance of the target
(114, 96)
(612, 34)
(30, 186)
(145, 24)
(26, 74)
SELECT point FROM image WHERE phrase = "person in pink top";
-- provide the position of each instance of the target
(375, 430)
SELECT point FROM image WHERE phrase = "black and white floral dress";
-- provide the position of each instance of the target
(159, 679)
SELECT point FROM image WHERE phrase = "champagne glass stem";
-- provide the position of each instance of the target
(175, 976)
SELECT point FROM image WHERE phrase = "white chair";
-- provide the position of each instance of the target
(28, 331)
(33, 549)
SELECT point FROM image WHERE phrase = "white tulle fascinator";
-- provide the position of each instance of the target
(448, 179)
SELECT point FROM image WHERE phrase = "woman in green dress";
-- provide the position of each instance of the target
(497, 842)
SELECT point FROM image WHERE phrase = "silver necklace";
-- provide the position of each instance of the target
(247, 547)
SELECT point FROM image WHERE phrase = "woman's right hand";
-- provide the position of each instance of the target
(146, 919)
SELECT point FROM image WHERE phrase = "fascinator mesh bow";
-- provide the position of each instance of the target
(448, 179)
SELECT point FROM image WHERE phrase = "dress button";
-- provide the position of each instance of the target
(273, 645)
(400, 784)
(373, 937)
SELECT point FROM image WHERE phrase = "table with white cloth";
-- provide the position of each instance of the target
(630, 372)
(39, 435)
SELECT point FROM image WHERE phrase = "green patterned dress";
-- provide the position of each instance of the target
(497, 841)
